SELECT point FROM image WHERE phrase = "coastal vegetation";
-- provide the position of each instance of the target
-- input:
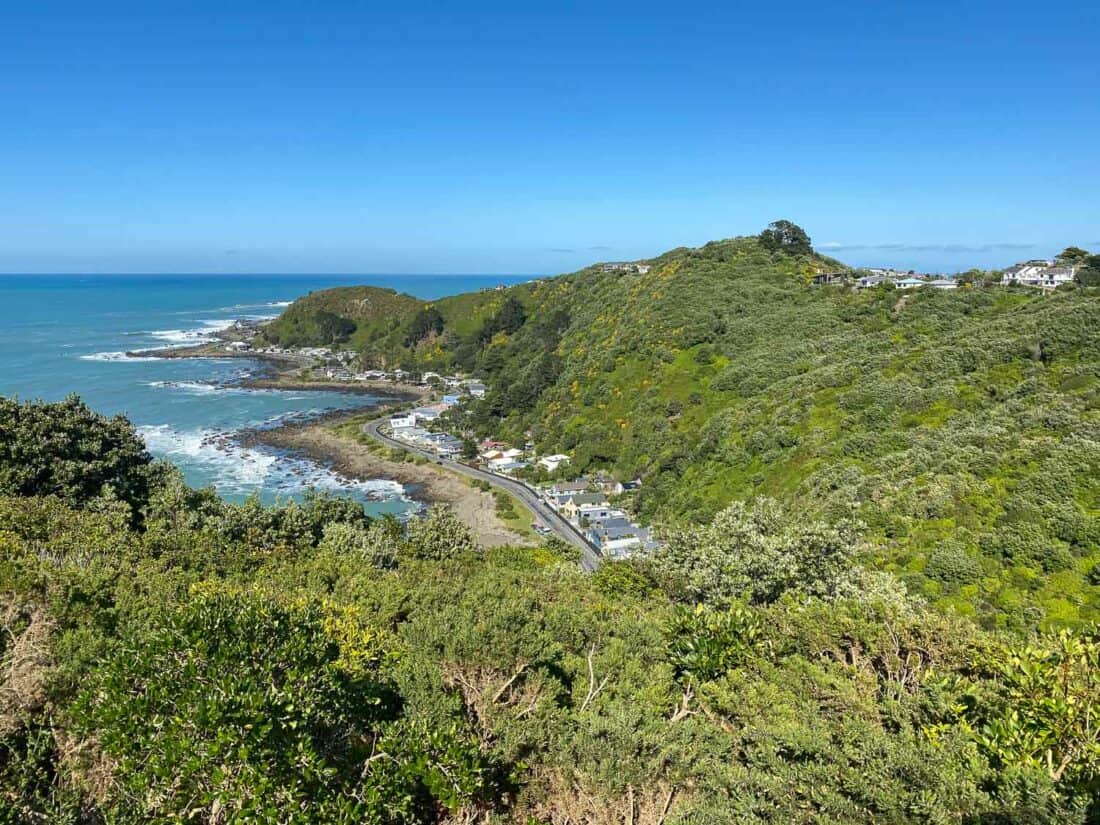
(959, 428)
(168, 656)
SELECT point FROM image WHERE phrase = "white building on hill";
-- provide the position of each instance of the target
(1038, 273)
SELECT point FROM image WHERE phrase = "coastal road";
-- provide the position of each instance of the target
(590, 559)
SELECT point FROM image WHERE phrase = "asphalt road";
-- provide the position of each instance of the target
(590, 558)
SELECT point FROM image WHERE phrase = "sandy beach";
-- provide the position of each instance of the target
(318, 441)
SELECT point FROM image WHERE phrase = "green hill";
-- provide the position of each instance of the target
(172, 657)
(960, 427)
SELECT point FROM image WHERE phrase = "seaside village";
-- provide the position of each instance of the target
(1040, 274)
(587, 503)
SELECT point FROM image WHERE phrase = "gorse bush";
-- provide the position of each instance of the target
(218, 662)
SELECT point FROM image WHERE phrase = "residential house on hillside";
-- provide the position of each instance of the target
(399, 422)
(552, 462)
(476, 389)
(909, 283)
(626, 266)
(825, 278)
(1038, 273)
(572, 505)
(942, 283)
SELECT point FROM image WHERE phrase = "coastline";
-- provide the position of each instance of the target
(319, 440)
(279, 373)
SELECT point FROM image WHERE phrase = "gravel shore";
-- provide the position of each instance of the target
(427, 483)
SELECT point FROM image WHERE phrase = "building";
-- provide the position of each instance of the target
(942, 283)
(571, 508)
(1038, 273)
(825, 278)
(400, 422)
(476, 389)
(627, 267)
(552, 462)
(451, 400)
(909, 283)
(507, 466)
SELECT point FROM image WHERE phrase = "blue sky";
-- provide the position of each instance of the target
(537, 137)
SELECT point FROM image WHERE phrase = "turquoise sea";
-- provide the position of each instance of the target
(62, 334)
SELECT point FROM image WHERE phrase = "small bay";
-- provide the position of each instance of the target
(63, 334)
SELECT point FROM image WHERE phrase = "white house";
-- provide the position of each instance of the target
(1038, 273)
(476, 389)
(552, 462)
(399, 422)
(942, 283)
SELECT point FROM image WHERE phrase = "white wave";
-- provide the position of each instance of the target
(190, 386)
(116, 356)
(239, 470)
(203, 335)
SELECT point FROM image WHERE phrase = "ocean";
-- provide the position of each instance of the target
(63, 334)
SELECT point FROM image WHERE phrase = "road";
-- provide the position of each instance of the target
(590, 558)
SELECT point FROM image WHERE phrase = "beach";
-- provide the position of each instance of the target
(320, 441)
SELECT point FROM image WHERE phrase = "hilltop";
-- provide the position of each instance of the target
(960, 427)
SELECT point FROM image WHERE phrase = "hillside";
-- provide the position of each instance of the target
(172, 657)
(961, 428)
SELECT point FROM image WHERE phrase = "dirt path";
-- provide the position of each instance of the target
(430, 484)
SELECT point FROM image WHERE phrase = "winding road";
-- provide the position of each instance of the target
(590, 558)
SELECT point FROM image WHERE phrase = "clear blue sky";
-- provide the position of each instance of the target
(537, 137)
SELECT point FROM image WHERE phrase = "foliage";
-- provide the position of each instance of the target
(241, 707)
(425, 323)
(757, 552)
(1037, 706)
(439, 535)
(786, 237)
(66, 450)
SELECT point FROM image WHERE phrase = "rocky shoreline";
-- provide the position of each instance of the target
(318, 440)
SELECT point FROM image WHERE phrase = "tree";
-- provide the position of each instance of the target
(509, 318)
(1072, 256)
(1089, 273)
(240, 707)
(67, 450)
(439, 535)
(757, 553)
(786, 237)
(1035, 705)
(333, 328)
(469, 449)
(426, 322)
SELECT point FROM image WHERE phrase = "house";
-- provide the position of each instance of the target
(400, 422)
(569, 487)
(552, 462)
(572, 506)
(1038, 273)
(425, 413)
(942, 283)
(909, 283)
(825, 278)
(451, 400)
(616, 537)
(476, 389)
(626, 266)
(508, 467)
(869, 281)
(599, 513)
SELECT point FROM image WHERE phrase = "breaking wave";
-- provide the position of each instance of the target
(234, 469)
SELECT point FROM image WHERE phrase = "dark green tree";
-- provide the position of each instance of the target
(67, 450)
(333, 328)
(786, 237)
(426, 322)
